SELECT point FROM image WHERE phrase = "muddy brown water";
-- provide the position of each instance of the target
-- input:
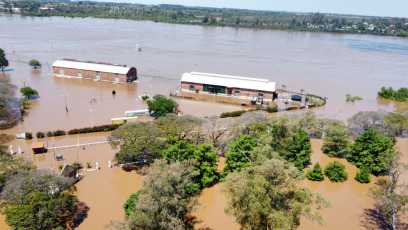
(330, 65)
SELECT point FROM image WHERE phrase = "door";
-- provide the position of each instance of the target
(98, 77)
(61, 72)
(116, 79)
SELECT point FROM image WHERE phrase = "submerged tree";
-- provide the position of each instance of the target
(162, 105)
(315, 173)
(3, 61)
(335, 172)
(368, 151)
(28, 92)
(34, 63)
(269, 196)
(391, 196)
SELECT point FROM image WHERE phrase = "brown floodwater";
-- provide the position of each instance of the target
(330, 65)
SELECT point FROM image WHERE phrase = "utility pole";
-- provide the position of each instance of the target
(66, 108)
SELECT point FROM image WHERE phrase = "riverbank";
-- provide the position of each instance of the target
(207, 16)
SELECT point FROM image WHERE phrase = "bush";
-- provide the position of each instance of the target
(272, 109)
(363, 176)
(29, 136)
(144, 97)
(335, 172)
(76, 165)
(40, 135)
(352, 99)
(396, 95)
(49, 134)
(233, 114)
(58, 133)
(315, 173)
(60, 167)
(101, 128)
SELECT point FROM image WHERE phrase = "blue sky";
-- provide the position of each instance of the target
(391, 8)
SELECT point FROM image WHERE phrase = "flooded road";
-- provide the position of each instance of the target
(330, 65)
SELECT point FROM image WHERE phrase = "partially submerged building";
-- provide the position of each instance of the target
(98, 71)
(260, 90)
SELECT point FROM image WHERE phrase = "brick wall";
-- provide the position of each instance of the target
(87, 74)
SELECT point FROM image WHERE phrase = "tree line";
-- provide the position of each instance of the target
(218, 17)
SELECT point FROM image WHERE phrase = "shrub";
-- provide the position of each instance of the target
(49, 134)
(101, 128)
(58, 133)
(352, 99)
(40, 135)
(363, 176)
(144, 97)
(76, 165)
(29, 136)
(60, 167)
(335, 172)
(315, 173)
(272, 109)
(88, 164)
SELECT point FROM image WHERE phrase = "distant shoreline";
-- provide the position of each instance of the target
(220, 17)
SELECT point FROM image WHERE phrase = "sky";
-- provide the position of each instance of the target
(384, 8)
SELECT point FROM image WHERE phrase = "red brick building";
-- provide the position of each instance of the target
(233, 86)
(98, 71)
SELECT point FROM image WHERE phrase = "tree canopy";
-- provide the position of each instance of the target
(300, 150)
(368, 150)
(161, 105)
(36, 200)
(28, 92)
(336, 140)
(166, 202)
(3, 61)
(136, 139)
(269, 196)
(335, 171)
(34, 63)
(315, 173)
(238, 155)
(203, 154)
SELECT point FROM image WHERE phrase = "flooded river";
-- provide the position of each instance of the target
(330, 65)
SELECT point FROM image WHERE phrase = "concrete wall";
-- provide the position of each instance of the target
(215, 98)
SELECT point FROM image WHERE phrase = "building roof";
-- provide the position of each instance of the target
(37, 145)
(92, 66)
(229, 81)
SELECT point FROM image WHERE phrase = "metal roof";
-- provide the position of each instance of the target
(230, 81)
(101, 67)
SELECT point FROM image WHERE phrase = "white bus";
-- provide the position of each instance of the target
(134, 113)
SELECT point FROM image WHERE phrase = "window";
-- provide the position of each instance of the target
(260, 95)
(192, 87)
(79, 74)
(61, 72)
(236, 93)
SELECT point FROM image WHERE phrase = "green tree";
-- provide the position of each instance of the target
(161, 105)
(300, 150)
(28, 92)
(203, 154)
(135, 140)
(269, 196)
(315, 173)
(336, 140)
(77, 165)
(390, 195)
(238, 154)
(34, 63)
(167, 202)
(38, 200)
(335, 172)
(176, 128)
(368, 151)
(3, 61)
(363, 176)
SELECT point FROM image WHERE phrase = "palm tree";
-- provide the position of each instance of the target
(283, 88)
(301, 91)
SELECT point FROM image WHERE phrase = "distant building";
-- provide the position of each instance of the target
(98, 71)
(261, 89)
